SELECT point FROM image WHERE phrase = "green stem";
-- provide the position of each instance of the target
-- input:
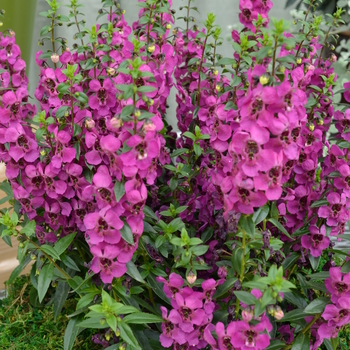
(53, 36)
(274, 57)
(200, 69)
(47, 256)
(77, 24)
(324, 44)
(243, 257)
(188, 17)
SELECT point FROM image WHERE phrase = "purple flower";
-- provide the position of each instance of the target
(338, 315)
(336, 211)
(103, 226)
(224, 337)
(173, 286)
(104, 97)
(104, 262)
(249, 337)
(338, 284)
(188, 311)
(317, 241)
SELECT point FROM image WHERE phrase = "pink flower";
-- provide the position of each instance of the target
(104, 99)
(336, 211)
(248, 337)
(338, 284)
(317, 241)
(173, 286)
(338, 315)
(105, 264)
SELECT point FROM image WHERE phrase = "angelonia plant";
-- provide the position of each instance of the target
(227, 234)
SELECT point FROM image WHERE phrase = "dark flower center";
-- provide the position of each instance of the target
(317, 239)
(169, 327)
(295, 133)
(37, 181)
(23, 142)
(102, 225)
(15, 108)
(250, 337)
(105, 194)
(243, 193)
(102, 95)
(343, 313)
(302, 157)
(106, 263)
(341, 287)
(274, 173)
(336, 208)
(26, 203)
(257, 105)
(287, 99)
(226, 341)
(50, 84)
(53, 217)
(81, 213)
(310, 139)
(251, 149)
(285, 136)
(185, 312)
(102, 125)
(246, 14)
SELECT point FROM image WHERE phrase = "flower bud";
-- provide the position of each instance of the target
(270, 309)
(33, 257)
(137, 113)
(168, 26)
(333, 58)
(274, 294)
(89, 123)
(151, 48)
(21, 245)
(320, 121)
(247, 314)
(55, 58)
(102, 321)
(151, 102)
(223, 271)
(299, 60)
(215, 72)
(116, 123)
(191, 277)
(110, 71)
(311, 127)
(218, 88)
(149, 126)
(54, 284)
(278, 314)
(264, 80)
(43, 153)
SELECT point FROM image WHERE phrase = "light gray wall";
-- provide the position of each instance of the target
(226, 14)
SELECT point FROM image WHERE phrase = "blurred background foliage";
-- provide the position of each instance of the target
(20, 16)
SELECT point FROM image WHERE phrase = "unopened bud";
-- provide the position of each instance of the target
(151, 102)
(264, 80)
(137, 113)
(278, 314)
(123, 12)
(216, 72)
(54, 284)
(116, 123)
(122, 346)
(333, 58)
(89, 123)
(168, 26)
(270, 309)
(110, 71)
(43, 152)
(32, 257)
(299, 60)
(55, 58)
(311, 127)
(218, 88)
(102, 321)
(320, 121)
(247, 314)
(149, 126)
(223, 271)
(21, 245)
(151, 48)
(191, 277)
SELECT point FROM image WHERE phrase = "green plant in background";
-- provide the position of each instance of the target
(19, 17)
(27, 327)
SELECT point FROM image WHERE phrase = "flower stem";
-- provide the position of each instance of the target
(53, 36)
(200, 69)
(274, 57)
(243, 257)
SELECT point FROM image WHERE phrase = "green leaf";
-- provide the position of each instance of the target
(225, 287)
(127, 335)
(314, 262)
(69, 262)
(126, 234)
(200, 250)
(50, 251)
(319, 275)
(150, 213)
(77, 130)
(294, 315)
(146, 88)
(16, 272)
(112, 322)
(93, 322)
(44, 280)
(178, 152)
(142, 318)
(277, 224)
(72, 332)
(157, 288)
(133, 272)
(317, 306)
(29, 229)
(276, 345)
(207, 234)
(302, 342)
(195, 241)
(64, 243)
(246, 297)
(62, 88)
(127, 111)
(173, 183)
(261, 214)
(247, 225)
(60, 297)
(119, 190)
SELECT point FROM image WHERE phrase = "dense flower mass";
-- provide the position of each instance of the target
(229, 224)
